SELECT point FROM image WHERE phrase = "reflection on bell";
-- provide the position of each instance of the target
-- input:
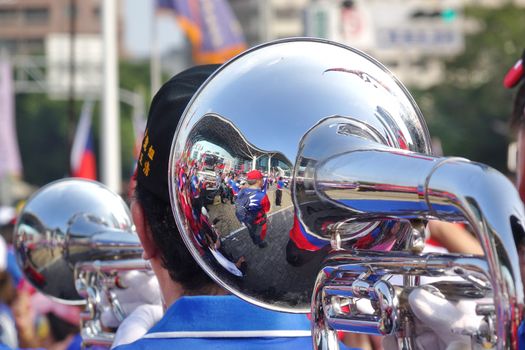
(67, 222)
(283, 109)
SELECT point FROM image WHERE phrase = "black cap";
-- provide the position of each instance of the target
(164, 115)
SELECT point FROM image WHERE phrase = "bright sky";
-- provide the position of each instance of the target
(138, 17)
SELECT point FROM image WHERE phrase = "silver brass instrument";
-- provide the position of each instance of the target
(72, 238)
(363, 184)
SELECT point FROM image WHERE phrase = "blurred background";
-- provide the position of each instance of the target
(61, 59)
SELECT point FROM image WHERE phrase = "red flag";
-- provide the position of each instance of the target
(514, 75)
(83, 162)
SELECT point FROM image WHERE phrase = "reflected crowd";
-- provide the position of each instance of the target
(28, 318)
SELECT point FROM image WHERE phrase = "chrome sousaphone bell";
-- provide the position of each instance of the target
(363, 184)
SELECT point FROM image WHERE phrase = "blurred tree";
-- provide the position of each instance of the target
(42, 124)
(134, 76)
(470, 110)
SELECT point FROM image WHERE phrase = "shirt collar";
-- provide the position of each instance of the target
(215, 314)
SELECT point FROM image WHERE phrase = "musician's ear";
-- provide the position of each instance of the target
(144, 231)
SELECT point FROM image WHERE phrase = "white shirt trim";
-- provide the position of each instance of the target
(229, 334)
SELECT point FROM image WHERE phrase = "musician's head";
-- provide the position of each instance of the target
(151, 209)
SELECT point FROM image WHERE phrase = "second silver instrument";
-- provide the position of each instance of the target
(73, 238)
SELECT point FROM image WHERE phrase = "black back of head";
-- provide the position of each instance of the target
(164, 115)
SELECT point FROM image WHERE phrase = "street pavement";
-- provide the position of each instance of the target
(267, 273)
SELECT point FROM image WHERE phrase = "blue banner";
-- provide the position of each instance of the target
(210, 25)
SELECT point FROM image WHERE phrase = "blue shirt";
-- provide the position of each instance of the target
(225, 323)
(234, 186)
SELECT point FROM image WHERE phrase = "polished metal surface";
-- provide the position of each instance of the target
(449, 189)
(348, 278)
(362, 185)
(73, 238)
(260, 106)
(95, 280)
(66, 222)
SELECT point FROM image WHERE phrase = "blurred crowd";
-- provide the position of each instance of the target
(29, 319)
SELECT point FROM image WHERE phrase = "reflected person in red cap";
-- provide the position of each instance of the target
(251, 207)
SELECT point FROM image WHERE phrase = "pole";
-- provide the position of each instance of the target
(155, 73)
(71, 95)
(264, 21)
(5, 108)
(110, 140)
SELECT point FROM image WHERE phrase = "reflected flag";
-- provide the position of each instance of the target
(210, 25)
(83, 162)
(304, 240)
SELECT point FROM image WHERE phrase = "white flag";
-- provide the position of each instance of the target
(10, 163)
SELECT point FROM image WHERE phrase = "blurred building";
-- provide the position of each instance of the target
(266, 20)
(409, 36)
(40, 35)
(25, 25)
